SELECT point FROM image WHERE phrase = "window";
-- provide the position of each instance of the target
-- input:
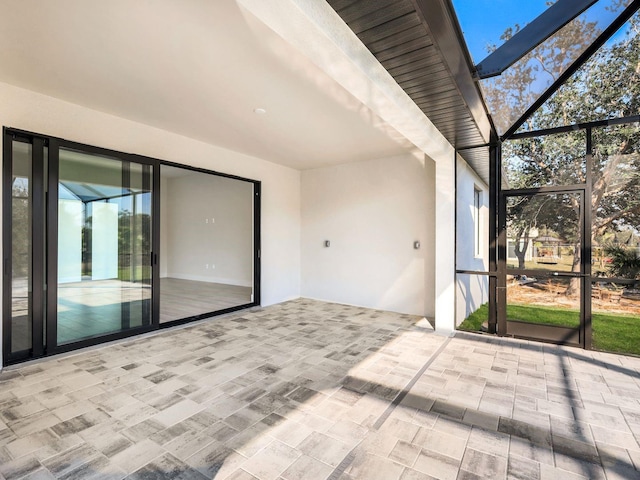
(477, 225)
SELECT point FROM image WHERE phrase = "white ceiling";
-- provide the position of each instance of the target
(195, 67)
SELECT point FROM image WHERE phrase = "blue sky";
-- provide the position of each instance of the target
(483, 21)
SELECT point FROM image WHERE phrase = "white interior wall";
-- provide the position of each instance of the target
(211, 234)
(471, 290)
(372, 212)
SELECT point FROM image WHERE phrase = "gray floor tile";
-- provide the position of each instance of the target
(410, 474)
(437, 465)
(270, 462)
(307, 388)
(484, 464)
(20, 467)
(520, 468)
(372, 467)
(307, 468)
(405, 453)
(326, 449)
(167, 467)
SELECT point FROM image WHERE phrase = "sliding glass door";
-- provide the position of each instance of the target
(104, 246)
(100, 245)
(207, 236)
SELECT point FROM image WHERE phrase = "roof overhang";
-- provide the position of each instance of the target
(420, 44)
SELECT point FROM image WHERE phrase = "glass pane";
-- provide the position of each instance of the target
(543, 232)
(541, 300)
(484, 23)
(135, 247)
(206, 231)
(551, 160)
(605, 87)
(472, 302)
(21, 257)
(544, 236)
(104, 246)
(616, 238)
(509, 95)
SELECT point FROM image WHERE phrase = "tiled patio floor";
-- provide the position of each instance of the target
(310, 390)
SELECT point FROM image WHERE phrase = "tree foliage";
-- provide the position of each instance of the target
(607, 86)
(625, 263)
(20, 228)
(512, 93)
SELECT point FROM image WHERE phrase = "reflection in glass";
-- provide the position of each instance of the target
(104, 246)
(551, 160)
(616, 238)
(21, 257)
(510, 95)
(206, 233)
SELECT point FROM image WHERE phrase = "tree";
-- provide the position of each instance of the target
(606, 86)
(512, 93)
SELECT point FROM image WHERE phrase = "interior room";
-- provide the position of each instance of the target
(206, 233)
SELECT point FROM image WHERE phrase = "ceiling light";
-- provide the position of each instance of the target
(259, 111)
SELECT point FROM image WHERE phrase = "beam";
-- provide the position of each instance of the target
(532, 35)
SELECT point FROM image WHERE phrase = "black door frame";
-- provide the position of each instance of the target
(46, 271)
(38, 245)
(55, 145)
(553, 334)
(497, 235)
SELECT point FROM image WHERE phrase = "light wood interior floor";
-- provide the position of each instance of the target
(91, 309)
(187, 298)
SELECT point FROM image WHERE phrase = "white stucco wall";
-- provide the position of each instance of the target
(372, 212)
(27, 110)
(318, 33)
(471, 290)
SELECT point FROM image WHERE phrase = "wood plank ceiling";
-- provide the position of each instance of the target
(419, 44)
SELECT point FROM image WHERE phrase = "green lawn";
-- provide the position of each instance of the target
(141, 272)
(475, 320)
(611, 332)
